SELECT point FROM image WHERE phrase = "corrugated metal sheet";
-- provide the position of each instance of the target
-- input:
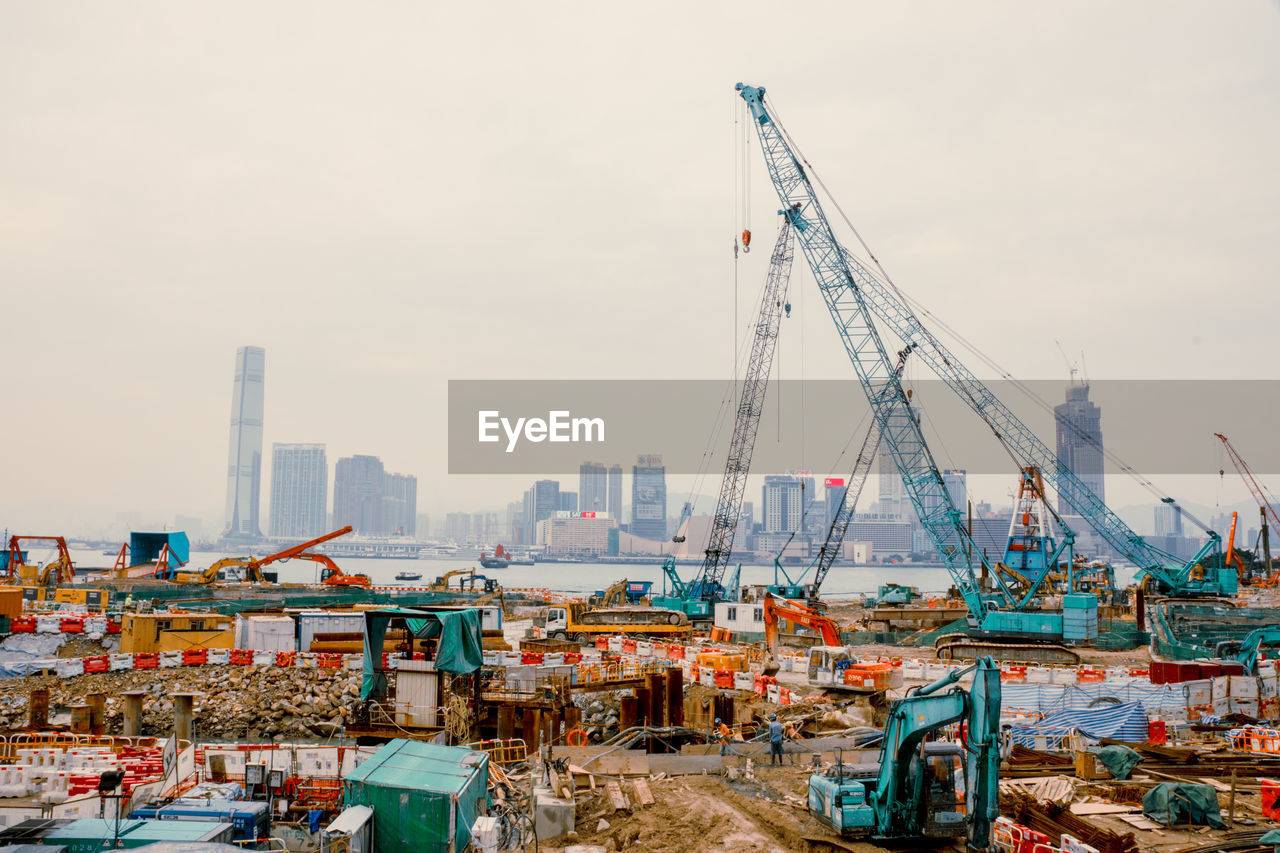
(417, 693)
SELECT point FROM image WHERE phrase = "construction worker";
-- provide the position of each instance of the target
(775, 740)
(723, 734)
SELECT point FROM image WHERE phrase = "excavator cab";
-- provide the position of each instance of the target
(938, 771)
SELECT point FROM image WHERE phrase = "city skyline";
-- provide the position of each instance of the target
(1071, 181)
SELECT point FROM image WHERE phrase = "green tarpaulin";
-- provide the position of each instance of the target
(1172, 803)
(1118, 758)
(458, 648)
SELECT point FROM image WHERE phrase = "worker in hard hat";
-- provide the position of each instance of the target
(723, 734)
(775, 740)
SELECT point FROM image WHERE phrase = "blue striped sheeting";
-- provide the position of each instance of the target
(1157, 699)
(1123, 722)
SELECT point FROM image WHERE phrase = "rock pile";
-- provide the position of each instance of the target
(599, 715)
(244, 702)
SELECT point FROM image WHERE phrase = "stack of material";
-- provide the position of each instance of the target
(1054, 821)
(1059, 790)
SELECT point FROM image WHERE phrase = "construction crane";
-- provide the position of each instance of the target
(999, 620)
(252, 567)
(701, 594)
(58, 570)
(1265, 509)
(1167, 574)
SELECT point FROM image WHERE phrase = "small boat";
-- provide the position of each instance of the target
(409, 576)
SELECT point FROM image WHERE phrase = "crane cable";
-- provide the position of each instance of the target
(917, 307)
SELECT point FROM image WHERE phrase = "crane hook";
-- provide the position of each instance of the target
(746, 239)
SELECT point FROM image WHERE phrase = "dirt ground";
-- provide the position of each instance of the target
(711, 814)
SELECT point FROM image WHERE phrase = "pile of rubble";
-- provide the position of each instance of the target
(599, 715)
(251, 702)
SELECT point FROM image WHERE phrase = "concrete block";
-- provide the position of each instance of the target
(552, 816)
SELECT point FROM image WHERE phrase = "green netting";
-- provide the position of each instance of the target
(1119, 635)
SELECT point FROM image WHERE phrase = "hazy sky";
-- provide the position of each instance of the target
(390, 195)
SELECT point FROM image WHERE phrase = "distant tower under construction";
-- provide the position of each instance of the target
(1079, 427)
(244, 457)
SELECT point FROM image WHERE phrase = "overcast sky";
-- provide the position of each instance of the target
(387, 196)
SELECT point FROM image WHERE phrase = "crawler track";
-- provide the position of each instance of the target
(964, 647)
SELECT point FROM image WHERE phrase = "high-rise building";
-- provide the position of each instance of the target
(1079, 429)
(1168, 520)
(400, 505)
(568, 501)
(457, 527)
(358, 483)
(782, 502)
(956, 481)
(299, 490)
(613, 505)
(893, 497)
(593, 481)
(834, 490)
(648, 498)
(244, 458)
(545, 502)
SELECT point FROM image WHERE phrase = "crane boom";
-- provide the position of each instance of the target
(1251, 482)
(747, 422)
(890, 407)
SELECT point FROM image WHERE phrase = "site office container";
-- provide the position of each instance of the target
(147, 633)
(424, 797)
(266, 633)
(311, 624)
(11, 602)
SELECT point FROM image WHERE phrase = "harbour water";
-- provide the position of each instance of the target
(575, 577)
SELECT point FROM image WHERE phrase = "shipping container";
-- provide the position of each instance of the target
(424, 797)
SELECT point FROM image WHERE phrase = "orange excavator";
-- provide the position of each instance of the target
(55, 571)
(799, 614)
(329, 572)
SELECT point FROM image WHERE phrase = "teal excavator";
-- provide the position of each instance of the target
(923, 790)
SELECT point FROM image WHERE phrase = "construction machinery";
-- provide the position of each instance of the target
(854, 294)
(923, 791)
(58, 570)
(251, 567)
(441, 583)
(582, 622)
(1249, 650)
(860, 304)
(825, 558)
(698, 598)
(1266, 511)
(832, 666)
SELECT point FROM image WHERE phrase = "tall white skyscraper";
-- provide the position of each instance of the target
(244, 458)
(1079, 423)
(299, 490)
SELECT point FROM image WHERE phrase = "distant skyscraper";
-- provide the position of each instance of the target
(1079, 428)
(400, 505)
(834, 489)
(546, 502)
(299, 490)
(1168, 520)
(893, 497)
(358, 483)
(614, 504)
(244, 458)
(649, 498)
(593, 480)
(568, 501)
(957, 483)
(782, 504)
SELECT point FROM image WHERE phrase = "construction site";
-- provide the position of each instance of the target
(1037, 705)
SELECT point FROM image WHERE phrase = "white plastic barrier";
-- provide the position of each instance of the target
(121, 661)
(95, 625)
(934, 670)
(170, 659)
(706, 676)
(264, 658)
(48, 625)
(491, 657)
(69, 667)
(771, 693)
(353, 662)
(1070, 844)
(644, 649)
(553, 658)
(218, 656)
(912, 669)
(1063, 676)
(743, 681)
(1038, 674)
(615, 644)
(306, 660)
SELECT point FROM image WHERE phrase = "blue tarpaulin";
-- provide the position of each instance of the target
(1127, 722)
